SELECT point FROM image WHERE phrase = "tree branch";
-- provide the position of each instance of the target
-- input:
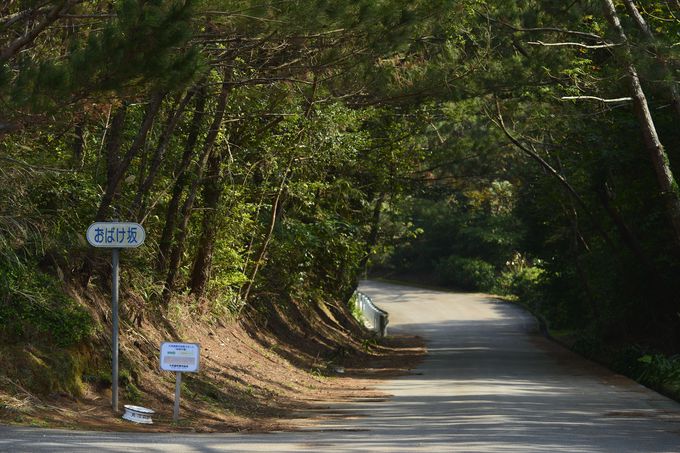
(36, 167)
(573, 44)
(16, 45)
(9, 20)
(543, 29)
(552, 171)
(595, 98)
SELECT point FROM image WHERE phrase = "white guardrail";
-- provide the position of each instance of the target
(374, 318)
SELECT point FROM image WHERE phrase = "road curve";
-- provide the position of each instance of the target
(490, 383)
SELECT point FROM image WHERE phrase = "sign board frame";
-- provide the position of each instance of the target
(115, 235)
(186, 355)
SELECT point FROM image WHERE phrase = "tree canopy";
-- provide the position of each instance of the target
(276, 151)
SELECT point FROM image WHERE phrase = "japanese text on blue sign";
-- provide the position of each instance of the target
(116, 234)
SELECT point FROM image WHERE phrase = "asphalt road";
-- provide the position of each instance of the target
(490, 383)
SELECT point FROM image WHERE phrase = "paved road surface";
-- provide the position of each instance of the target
(489, 384)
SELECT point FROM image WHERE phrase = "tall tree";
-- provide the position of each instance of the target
(657, 153)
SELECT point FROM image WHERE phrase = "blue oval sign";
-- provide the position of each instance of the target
(116, 235)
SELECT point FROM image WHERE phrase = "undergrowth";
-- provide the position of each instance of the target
(33, 306)
(650, 368)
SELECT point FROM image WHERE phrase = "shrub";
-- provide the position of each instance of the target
(466, 273)
(33, 306)
(660, 371)
(523, 283)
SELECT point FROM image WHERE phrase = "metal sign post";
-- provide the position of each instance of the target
(115, 236)
(115, 258)
(178, 388)
(180, 358)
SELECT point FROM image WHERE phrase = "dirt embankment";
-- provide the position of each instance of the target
(256, 374)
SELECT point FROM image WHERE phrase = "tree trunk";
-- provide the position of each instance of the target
(212, 193)
(257, 264)
(116, 167)
(375, 229)
(626, 234)
(181, 181)
(182, 231)
(114, 140)
(159, 154)
(79, 144)
(577, 241)
(649, 35)
(657, 153)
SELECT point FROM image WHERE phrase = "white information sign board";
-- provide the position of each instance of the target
(116, 235)
(182, 357)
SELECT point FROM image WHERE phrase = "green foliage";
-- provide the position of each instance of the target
(466, 273)
(353, 132)
(144, 45)
(660, 371)
(127, 383)
(43, 371)
(354, 308)
(522, 280)
(655, 370)
(34, 307)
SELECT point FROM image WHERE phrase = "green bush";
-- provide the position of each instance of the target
(652, 369)
(43, 370)
(522, 283)
(660, 372)
(466, 273)
(33, 306)
(354, 308)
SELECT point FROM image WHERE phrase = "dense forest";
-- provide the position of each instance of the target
(276, 151)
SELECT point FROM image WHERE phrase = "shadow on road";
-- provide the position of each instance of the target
(490, 383)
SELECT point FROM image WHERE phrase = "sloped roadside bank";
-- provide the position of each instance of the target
(261, 373)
